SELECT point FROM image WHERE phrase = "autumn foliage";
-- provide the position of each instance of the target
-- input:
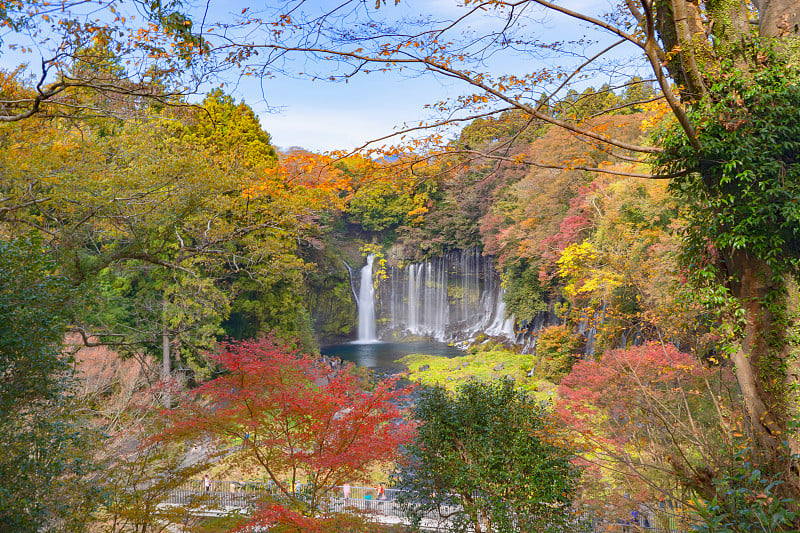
(648, 415)
(288, 418)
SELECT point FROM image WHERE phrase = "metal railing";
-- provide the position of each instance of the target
(231, 494)
(239, 487)
(225, 496)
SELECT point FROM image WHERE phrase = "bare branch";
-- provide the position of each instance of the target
(591, 20)
(577, 70)
(526, 161)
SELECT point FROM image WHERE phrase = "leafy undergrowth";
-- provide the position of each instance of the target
(493, 364)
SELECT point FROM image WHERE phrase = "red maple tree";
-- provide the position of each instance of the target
(647, 416)
(292, 418)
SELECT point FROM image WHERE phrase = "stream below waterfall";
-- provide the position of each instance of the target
(450, 299)
(383, 356)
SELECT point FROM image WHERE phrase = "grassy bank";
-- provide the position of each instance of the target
(484, 365)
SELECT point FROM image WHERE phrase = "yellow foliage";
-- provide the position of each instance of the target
(416, 215)
(579, 266)
(655, 113)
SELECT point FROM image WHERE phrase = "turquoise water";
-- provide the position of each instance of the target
(383, 356)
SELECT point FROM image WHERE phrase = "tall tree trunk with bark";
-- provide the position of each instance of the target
(765, 365)
(766, 369)
(166, 364)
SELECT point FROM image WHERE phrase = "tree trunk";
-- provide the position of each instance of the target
(476, 518)
(166, 367)
(692, 45)
(764, 364)
(765, 369)
(728, 20)
(778, 18)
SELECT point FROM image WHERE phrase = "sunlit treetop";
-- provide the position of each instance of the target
(232, 131)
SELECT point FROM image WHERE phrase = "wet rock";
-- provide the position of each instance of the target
(423, 368)
(498, 367)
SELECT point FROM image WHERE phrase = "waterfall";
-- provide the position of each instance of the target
(451, 298)
(366, 304)
(591, 332)
(411, 324)
(531, 330)
(350, 275)
(501, 325)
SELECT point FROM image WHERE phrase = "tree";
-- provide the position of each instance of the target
(534, 219)
(379, 206)
(627, 264)
(120, 204)
(487, 459)
(163, 219)
(232, 132)
(139, 52)
(649, 416)
(723, 70)
(741, 243)
(134, 478)
(46, 446)
(138, 482)
(287, 418)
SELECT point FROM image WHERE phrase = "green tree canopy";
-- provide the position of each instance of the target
(487, 459)
(44, 445)
(232, 131)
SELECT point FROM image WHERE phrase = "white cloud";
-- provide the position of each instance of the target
(323, 129)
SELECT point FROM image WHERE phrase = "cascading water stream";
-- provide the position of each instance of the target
(451, 298)
(454, 298)
(366, 304)
(350, 274)
(501, 325)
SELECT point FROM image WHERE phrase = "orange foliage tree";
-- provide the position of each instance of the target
(119, 54)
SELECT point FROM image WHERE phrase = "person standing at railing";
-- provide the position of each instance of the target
(346, 491)
(207, 483)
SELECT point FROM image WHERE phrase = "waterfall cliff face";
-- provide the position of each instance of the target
(451, 298)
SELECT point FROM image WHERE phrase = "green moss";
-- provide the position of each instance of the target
(484, 365)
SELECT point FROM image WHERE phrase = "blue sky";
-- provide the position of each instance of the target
(321, 116)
